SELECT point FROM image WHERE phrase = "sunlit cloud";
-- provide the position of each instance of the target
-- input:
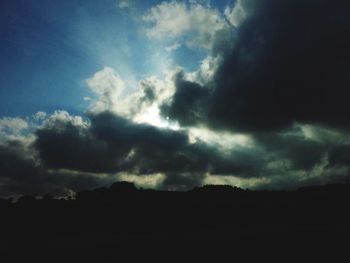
(223, 140)
(196, 22)
(175, 94)
(152, 181)
(151, 115)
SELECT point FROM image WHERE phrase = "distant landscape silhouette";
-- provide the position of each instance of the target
(110, 221)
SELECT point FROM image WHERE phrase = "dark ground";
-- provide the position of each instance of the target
(215, 223)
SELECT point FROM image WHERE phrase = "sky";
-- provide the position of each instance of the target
(173, 94)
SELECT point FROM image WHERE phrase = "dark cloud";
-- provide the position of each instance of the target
(139, 147)
(72, 147)
(70, 155)
(113, 144)
(240, 162)
(286, 63)
(289, 64)
(15, 166)
(21, 174)
(182, 181)
(187, 104)
(340, 156)
(224, 41)
(302, 153)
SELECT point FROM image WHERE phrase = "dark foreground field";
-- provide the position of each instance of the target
(215, 223)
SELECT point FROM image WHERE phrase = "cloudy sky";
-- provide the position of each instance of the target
(173, 94)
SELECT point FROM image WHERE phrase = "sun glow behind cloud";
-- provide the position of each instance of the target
(224, 140)
(150, 51)
(180, 92)
(151, 115)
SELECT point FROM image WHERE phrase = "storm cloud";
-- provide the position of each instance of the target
(289, 64)
(266, 108)
(112, 144)
(20, 174)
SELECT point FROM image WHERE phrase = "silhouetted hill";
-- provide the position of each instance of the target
(212, 217)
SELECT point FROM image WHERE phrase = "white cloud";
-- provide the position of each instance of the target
(108, 85)
(14, 125)
(174, 19)
(140, 109)
(206, 70)
(323, 134)
(63, 117)
(145, 181)
(106, 81)
(17, 130)
(39, 116)
(141, 105)
(224, 141)
(169, 19)
(239, 12)
(243, 183)
(163, 88)
(173, 47)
